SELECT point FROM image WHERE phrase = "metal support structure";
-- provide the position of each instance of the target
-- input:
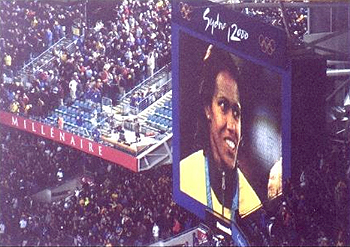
(85, 12)
(169, 150)
(337, 89)
(338, 72)
(337, 62)
(285, 20)
(159, 154)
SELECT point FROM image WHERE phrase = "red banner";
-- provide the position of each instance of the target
(69, 139)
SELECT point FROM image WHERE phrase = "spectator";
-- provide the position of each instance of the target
(60, 122)
(155, 232)
(8, 65)
(151, 63)
(137, 130)
(73, 89)
(195, 240)
(60, 175)
(48, 37)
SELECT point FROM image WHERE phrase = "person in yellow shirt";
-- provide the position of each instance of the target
(211, 175)
(8, 60)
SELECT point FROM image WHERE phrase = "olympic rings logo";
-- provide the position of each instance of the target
(267, 45)
(185, 10)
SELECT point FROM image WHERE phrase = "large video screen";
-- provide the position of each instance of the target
(230, 119)
(230, 104)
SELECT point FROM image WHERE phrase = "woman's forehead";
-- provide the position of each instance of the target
(226, 85)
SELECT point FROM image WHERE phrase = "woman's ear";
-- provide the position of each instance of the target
(207, 112)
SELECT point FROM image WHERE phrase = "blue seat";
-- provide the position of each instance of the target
(154, 121)
(162, 112)
(166, 123)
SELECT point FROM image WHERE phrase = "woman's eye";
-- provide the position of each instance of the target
(236, 111)
(224, 106)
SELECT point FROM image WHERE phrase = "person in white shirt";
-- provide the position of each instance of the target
(73, 89)
(2, 228)
(151, 63)
(155, 232)
(60, 175)
(23, 223)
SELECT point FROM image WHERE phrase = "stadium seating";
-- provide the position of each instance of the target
(162, 117)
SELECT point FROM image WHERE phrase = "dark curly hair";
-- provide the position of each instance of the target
(215, 60)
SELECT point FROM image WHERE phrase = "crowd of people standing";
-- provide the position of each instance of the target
(30, 27)
(119, 208)
(108, 59)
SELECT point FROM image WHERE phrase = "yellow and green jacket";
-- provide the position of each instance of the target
(193, 183)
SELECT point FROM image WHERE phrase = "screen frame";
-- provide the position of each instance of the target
(285, 73)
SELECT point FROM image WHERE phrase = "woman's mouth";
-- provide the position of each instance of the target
(230, 143)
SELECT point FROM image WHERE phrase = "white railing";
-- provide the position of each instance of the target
(148, 81)
(41, 55)
(153, 97)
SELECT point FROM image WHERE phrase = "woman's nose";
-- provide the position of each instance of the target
(231, 122)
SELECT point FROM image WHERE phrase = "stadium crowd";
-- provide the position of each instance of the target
(296, 19)
(315, 210)
(107, 60)
(119, 208)
(30, 27)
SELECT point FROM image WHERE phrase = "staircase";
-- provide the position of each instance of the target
(155, 82)
(152, 110)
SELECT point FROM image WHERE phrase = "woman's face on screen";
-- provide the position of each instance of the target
(224, 116)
